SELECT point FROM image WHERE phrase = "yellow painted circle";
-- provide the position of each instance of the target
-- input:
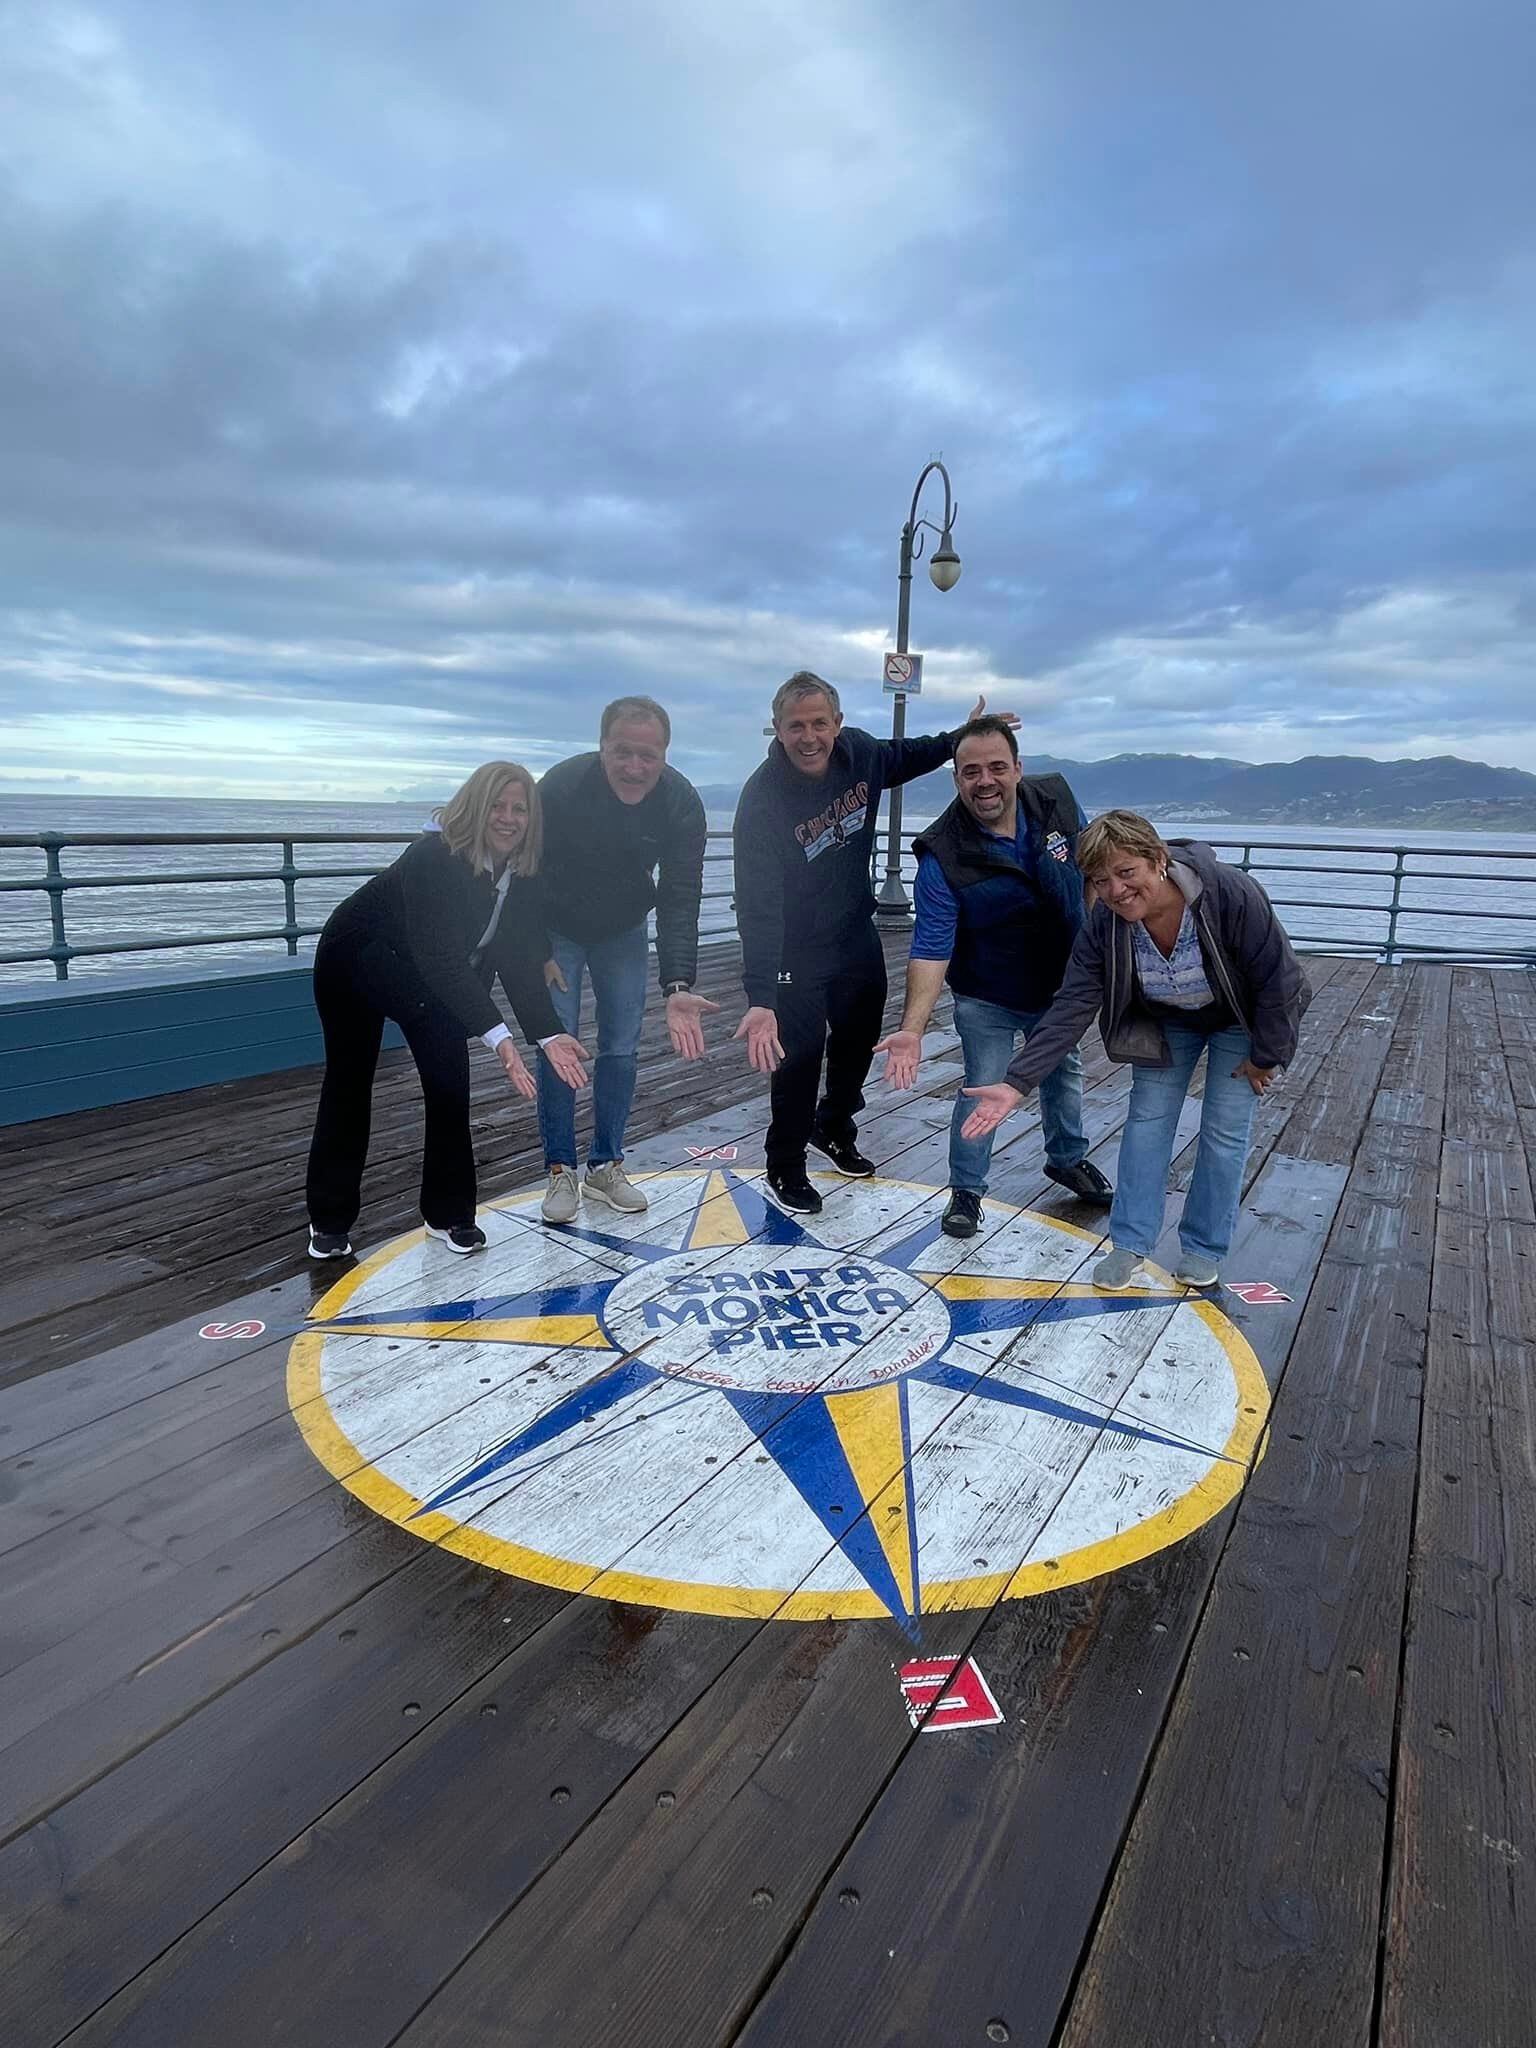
(396, 1283)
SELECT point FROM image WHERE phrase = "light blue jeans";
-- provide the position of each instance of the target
(618, 968)
(1146, 1146)
(987, 1034)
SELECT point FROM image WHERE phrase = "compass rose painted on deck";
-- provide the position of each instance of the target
(720, 1407)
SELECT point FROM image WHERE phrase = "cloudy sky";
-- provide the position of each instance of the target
(384, 386)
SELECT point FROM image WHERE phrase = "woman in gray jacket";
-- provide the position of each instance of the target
(1181, 955)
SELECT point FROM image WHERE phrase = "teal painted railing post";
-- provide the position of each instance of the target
(1400, 854)
(58, 951)
(1247, 860)
(290, 875)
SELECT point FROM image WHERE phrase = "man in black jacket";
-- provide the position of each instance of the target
(999, 902)
(623, 835)
(812, 961)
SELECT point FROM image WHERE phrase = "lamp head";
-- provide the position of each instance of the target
(944, 563)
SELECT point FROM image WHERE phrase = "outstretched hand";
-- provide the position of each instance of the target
(685, 1014)
(567, 1056)
(977, 710)
(760, 1028)
(994, 1105)
(518, 1074)
(903, 1055)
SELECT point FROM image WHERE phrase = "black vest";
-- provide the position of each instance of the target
(1014, 930)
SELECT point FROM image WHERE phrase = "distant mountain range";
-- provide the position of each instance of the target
(1443, 792)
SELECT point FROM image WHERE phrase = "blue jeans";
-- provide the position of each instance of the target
(987, 1033)
(1146, 1146)
(618, 968)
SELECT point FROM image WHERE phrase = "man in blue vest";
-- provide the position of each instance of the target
(999, 902)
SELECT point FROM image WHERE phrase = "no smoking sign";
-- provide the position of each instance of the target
(904, 674)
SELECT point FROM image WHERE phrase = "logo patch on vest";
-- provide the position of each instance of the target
(1056, 846)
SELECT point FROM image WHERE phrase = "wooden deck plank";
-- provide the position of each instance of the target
(1247, 1902)
(210, 1801)
(155, 1267)
(608, 1823)
(195, 1631)
(193, 1486)
(187, 1501)
(1023, 1823)
(55, 1587)
(707, 1854)
(725, 1866)
(158, 1826)
(75, 1395)
(714, 1860)
(1089, 1674)
(187, 1486)
(1461, 1924)
(726, 1254)
(853, 1726)
(476, 1805)
(1337, 999)
(103, 1713)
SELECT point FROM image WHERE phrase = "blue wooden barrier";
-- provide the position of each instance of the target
(67, 1045)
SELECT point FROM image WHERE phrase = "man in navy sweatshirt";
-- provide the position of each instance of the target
(812, 962)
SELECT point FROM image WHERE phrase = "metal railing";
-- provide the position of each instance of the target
(1405, 868)
(1391, 947)
(57, 886)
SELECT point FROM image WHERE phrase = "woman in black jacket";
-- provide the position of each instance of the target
(421, 943)
(1181, 955)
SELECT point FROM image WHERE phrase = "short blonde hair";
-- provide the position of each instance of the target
(467, 814)
(1118, 832)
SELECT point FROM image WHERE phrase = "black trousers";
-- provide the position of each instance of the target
(831, 1009)
(358, 983)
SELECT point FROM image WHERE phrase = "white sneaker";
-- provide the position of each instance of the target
(562, 1197)
(611, 1184)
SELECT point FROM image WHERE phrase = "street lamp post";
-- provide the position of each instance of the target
(944, 569)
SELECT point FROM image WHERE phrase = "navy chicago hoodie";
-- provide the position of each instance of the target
(802, 853)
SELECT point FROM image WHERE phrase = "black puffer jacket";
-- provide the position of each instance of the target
(430, 907)
(1248, 961)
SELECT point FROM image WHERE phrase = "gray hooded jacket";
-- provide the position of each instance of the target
(1248, 960)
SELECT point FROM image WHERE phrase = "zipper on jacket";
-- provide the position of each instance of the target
(1221, 968)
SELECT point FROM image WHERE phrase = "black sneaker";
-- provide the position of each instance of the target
(329, 1244)
(792, 1190)
(1085, 1181)
(844, 1155)
(963, 1216)
(467, 1238)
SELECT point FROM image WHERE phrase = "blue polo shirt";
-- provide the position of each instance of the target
(933, 936)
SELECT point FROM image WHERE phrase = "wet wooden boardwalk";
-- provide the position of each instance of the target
(274, 1768)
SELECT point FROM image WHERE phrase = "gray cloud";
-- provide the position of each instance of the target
(376, 391)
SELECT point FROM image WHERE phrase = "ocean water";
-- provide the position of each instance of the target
(1462, 891)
